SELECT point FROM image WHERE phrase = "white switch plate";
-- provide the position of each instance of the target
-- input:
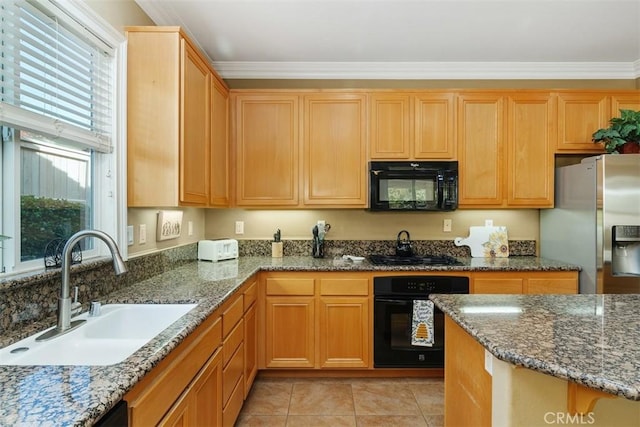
(446, 225)
(129, 235)
(239, 227)
(190, 228)
(142, 238)
(488, 223)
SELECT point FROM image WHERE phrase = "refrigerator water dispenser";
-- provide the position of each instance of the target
(625, 256)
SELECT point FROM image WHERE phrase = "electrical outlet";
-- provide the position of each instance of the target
(142, 238)
(488, 223)
(239, 227)
(446, 225)
(129, 235)
(190, 228)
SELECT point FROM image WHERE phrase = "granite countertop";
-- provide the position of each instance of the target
(593, 340)
(80, 395)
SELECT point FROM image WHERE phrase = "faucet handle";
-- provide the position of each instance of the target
(94, 309)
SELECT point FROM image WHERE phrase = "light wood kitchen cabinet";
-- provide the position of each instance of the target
(334, 150)
(412, 126)
(180, 381)
(219, 187)
(232, 359)
(289, 322)
(505, 144)
(168, 123)
(267, 147)
(580, 114)
(524, 282)
(344, 319)
(250, 336)
(317, 321)
(624, 101)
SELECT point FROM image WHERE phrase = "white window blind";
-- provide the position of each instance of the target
(56, 75)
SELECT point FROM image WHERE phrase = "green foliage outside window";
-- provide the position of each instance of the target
(44, 219)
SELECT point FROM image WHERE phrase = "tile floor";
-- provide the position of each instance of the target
(336, 402)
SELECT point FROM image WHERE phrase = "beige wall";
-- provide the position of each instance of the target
(359, 224)
(120, 13)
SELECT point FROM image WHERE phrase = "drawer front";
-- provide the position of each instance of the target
(232, 373)
(231, 315)
(232, 409)
(552, 286)
(250, 295)
(289, 286)
(351, 287)
(497, 286)
(232, 342)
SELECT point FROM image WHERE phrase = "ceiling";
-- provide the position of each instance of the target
(411, 39)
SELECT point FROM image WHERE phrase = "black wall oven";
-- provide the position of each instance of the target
(393, 312)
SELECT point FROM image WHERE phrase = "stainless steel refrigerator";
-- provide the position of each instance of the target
(596, 222)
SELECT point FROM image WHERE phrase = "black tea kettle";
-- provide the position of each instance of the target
(403, 247)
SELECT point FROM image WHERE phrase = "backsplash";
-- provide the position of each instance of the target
(335, 248)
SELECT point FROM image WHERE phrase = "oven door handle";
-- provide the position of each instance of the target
(395, 301)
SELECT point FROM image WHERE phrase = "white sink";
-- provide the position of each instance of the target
(109, 338)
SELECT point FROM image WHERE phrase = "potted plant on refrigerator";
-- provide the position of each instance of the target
(623, 134)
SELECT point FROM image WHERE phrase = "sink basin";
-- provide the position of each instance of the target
(107, 339)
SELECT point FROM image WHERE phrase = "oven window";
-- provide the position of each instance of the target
(407, 193)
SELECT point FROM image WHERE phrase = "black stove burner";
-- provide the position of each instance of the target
(413, 260)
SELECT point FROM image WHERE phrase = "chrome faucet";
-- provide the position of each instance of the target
(64, 300)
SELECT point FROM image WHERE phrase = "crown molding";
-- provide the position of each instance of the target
(428, 70)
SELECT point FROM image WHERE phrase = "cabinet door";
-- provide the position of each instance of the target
(267, 150)
(335, 150)
(289, 332)
(625, 101)
(153, 91)
(344, 332)
(250, 347)
(580, 114)
(219, 191)
(206, 394)
(481, 124)
(390, 126)
(530, 141)
(434, 126)
(195, 143)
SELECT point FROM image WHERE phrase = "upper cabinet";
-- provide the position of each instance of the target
(170, 103)
(505, 149)
(299, 149)
(580, 113)
(334, 150)
(219, 173)
(624, 101)
(412, 126)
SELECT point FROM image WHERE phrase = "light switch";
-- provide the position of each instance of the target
(446, 225)
(142, 238)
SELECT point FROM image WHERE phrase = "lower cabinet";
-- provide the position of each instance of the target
(525, 282)
(316, 320)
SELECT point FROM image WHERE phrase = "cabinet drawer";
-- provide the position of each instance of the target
(232, 409)
(232, 342)
(232, 373)
(352, 287)
(249, 295)
(163, 390)
(552, 286)
(286, 286)
(231, 315)
(497, 286)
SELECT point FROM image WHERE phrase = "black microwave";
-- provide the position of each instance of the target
(413, 186)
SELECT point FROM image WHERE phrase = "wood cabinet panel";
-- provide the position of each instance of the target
(334, 150)
(525, 282)
(624, 101)
(231, 375)
(434, 126)
(231, 315)
(234, 405)
(390, 124)
(219, 188)
(344, 286)
(530, 154)
(283, 285)
(267, 150)
(232, 342)
(579, 115)
(496, 285)
(344, 332)
(552, 285)
(250, 347)
(481, 140)
(195, 143)
(290, 332)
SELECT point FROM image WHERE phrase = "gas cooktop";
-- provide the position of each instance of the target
(413, 260)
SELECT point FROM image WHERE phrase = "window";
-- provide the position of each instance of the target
(61, 155)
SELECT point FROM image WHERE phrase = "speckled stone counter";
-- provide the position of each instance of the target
(593, 340)
(80, 395)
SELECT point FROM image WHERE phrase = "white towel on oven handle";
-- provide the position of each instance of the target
(422, 323)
